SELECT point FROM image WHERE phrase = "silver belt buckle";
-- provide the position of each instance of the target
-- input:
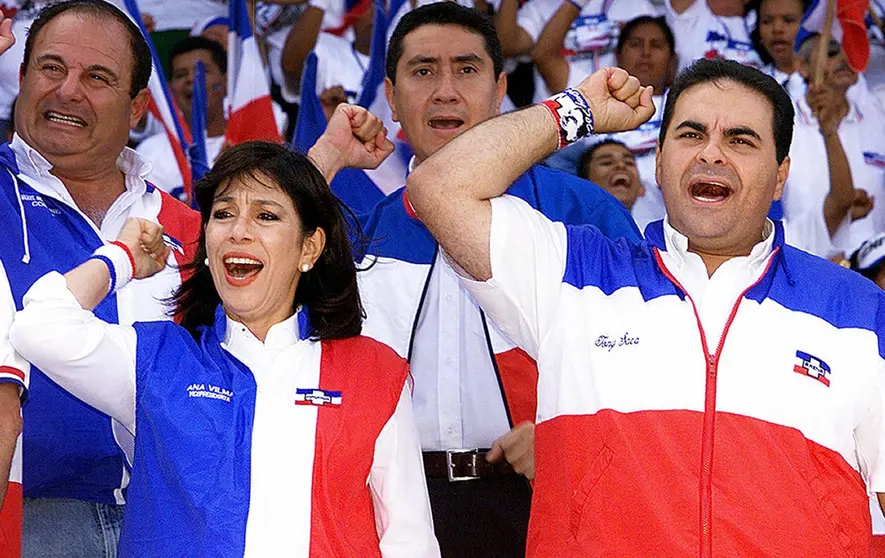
(450, 467)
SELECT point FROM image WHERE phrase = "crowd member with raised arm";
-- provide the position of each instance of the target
(712, 29)
(839, 153)
(474, 390)
(266, 425)
(692, 383)
(582, 33)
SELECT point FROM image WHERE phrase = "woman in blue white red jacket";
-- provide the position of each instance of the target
(267, 425)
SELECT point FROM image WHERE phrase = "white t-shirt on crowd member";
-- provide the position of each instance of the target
(702, 34)
(164, 173)
(338, 63)
(182, 14)
(862, 133)
(591, 41)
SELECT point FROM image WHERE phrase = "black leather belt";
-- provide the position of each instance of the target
(463, 465)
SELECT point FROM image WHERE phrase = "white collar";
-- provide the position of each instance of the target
(240, 341)
(34, 165)
(677, 248)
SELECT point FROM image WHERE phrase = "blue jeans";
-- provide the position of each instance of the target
(70, 529)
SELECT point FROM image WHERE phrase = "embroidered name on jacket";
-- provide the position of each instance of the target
(609, 343)
(809, 365)
(308, 396)
(209, 392)
(37, 201)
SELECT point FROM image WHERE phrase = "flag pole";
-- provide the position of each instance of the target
(819, 70)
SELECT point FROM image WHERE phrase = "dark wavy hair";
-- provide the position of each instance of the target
(98, 9)
(329, 290)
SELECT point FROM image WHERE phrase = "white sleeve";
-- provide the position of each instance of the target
(870, 436)
(688, 17)
(534, 15)
(92, 359)
(13, 368)
(399, 489)
(528, 256)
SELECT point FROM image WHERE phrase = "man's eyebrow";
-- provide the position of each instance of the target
(419, 59)
(51, 58)
(693, 125)
(742, 131)
(474, 58)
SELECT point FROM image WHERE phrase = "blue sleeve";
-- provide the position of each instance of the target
(574, 201)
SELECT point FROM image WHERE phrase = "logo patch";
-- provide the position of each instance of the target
(209, 391)
(319, 397)
(811, 366)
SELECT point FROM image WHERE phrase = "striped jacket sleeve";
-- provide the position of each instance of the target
(13, 368)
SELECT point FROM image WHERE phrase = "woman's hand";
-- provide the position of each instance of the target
(145, 241)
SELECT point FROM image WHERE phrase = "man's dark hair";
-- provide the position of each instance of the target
(631, 26)
(445, 13)
(98, 9)
(190, 44)
(587, 155)
(717, 71)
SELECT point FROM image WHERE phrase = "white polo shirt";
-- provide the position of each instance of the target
(702, 34)
(591, 41)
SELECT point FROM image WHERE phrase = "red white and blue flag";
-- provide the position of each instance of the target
(251, 114)
(849, 28)
(162, 106)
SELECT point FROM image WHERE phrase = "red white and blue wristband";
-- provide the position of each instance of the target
(572, 115)
(120, 262)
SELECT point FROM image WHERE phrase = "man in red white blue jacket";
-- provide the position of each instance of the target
(709, 391)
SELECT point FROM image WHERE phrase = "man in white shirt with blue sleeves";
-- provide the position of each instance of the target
(693, 383)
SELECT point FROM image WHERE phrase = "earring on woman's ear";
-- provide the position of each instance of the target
(206, 262)
(305, 268)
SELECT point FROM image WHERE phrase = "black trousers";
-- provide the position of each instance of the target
(485, 518)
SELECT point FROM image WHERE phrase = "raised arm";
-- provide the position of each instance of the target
(300, 41)
(58, 333)
(354, 138)
(515, 41)
(547, 54)
(842, 194)
(454, 204)
(7, 39)
(399, 489)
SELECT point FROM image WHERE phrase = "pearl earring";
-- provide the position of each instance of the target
(305, 268)
(206, 262)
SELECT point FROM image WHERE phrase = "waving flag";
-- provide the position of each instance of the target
(162, 105)
(197, 152)
(352, 186)
(849, 28)
(248, 85)
(391, 174)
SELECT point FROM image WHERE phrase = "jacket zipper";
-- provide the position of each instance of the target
(707, 435)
